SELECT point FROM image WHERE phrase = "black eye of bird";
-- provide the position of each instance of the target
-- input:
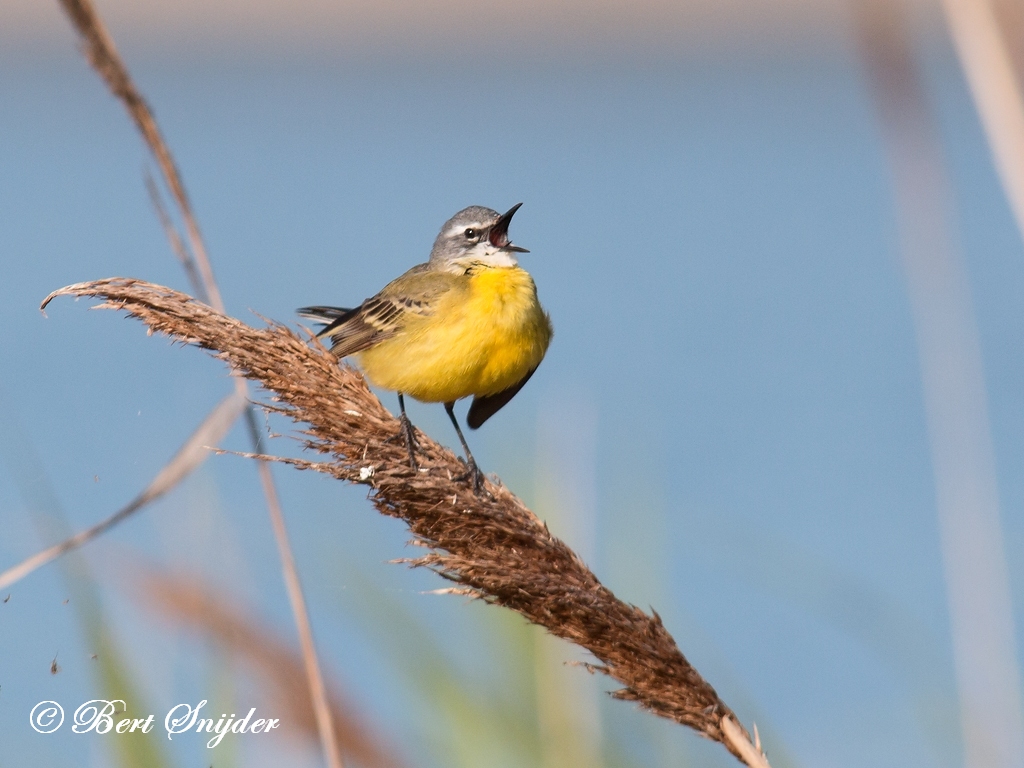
(470, 234)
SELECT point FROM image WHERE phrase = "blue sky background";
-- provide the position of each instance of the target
(714, 238)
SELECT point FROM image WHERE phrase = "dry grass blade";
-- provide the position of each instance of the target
(189, 456)
(100, 50)
(988, 65)
(737, 738)
(311, 664)
(978, 585)
(173, 239)
(190, 603)
(103, 56)
(491, 545)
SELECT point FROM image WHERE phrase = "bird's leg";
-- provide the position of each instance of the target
(474, 471)
(410, 440)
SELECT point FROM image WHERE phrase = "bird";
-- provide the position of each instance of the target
(465, 323)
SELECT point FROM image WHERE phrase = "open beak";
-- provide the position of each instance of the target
(499, 232)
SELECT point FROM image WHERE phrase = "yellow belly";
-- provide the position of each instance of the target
(488, 332)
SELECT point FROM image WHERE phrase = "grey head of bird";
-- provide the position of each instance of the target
(476, 235)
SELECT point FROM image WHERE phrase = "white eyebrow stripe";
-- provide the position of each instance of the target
(458, 229)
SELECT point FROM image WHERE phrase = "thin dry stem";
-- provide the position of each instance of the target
(989, 67)
(98, 47)
(173, 238)
(102, 54)
(311, 663)
(491, 545)
(737, 738)
(953, 387)
(188, 602)
(195, 450)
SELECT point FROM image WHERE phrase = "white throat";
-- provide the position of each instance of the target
(485, 253)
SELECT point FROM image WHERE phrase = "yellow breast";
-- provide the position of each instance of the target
(486, 334)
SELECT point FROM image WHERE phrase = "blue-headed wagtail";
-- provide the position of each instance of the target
(465, 323)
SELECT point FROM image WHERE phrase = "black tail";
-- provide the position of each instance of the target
(329, 318)
(325, 315)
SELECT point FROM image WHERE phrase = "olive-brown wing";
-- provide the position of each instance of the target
(414, 294)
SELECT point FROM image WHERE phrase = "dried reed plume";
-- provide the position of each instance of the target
(98, 47)
(189, 602)
(491, 546)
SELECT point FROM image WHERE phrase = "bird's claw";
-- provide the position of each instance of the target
(406, 432)
(471, 472)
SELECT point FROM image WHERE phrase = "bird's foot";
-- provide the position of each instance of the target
(407, 432)
(473, 472)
